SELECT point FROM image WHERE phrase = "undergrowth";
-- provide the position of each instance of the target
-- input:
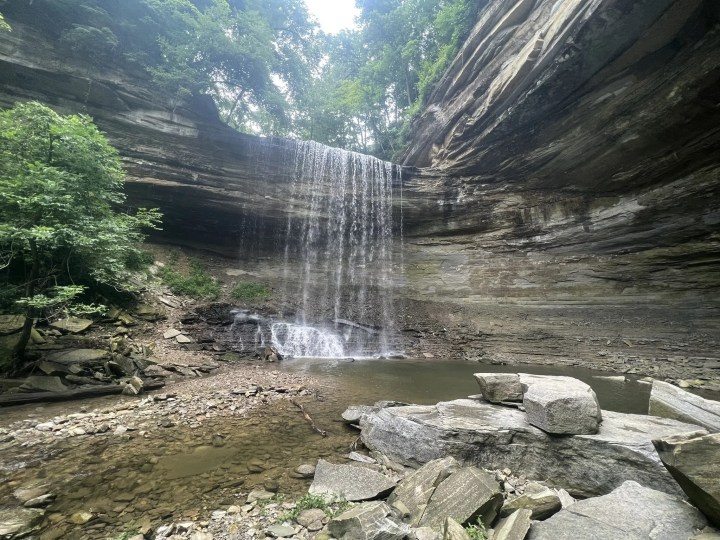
(196, 284)
(308, 501)
(477, 530)
(250, 291)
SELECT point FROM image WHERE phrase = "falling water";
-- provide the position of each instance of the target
(339, 244)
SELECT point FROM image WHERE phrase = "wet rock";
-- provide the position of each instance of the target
(560, 405)
(496, 437)
(542, 501)
(306, 470)
(79, 356)
(353, 414)
(311, 519)
(72, 325)
(19, 522)
(498, 387)
(80, 518)
(349, 483)
(694, 461)
(465, 495)
(40, 383)
(367, 521)
(415, 490)
(452, 530)
(513, 527)
(630, 512)
(26, 494)
(670, 401)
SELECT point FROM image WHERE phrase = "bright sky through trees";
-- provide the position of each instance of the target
(333, 15)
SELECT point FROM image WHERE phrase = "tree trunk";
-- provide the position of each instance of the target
(19, 350)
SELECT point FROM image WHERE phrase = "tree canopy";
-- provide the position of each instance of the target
(62, 227)
(266, 63)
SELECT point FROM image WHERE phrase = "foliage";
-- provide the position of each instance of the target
(250, 291)
(3, 24)
(197, 283)
(309, 501)
(61, 227)
(477, 530)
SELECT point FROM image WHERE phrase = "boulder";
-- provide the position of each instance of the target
(352, 414)
(560, 405)
(78, 356)
(41, 383)
(311, 519)
(367, 521)
(19, 522)
(694, 461)
(670, 401)
(72, 325)
(415, 490)
(10, 324)
(631, 512)
(514, 527)
(542, 502)
(498, 387)
(452, 530)
(496, 437)
(466, 495)
(349, 482)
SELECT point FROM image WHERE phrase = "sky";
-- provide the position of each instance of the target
(333, 15)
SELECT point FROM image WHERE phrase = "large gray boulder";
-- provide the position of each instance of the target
(466, 495)
(560, 405)
(495, 437)
(367, 521)
(631, 512)
(498, 387)
(513, 527)
(694, 461)
(349, 482)
(415, 490)
(670, 401)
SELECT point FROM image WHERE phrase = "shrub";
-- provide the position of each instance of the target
(250, 291)
(196, 284)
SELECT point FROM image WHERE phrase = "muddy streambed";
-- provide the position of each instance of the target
(184, 470)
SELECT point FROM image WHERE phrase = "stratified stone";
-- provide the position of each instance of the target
(19, 522)
(497, 387)
(513, 527)
(631, 512)
(367, 521)
(415, 490)
(466, 495)
(73, 325)
(40, 383)
(349, 482)
(694, 461)
(542, 502)
(78, 356)
(670, 401)
(452, 530)
(496, 437)
(560, 405)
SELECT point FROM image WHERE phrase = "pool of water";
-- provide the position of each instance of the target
(426, 382)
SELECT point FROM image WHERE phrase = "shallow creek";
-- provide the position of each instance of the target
(187, 472)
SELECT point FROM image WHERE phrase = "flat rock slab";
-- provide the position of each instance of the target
(498, 387)
(631, 512)
(694, 461)
(496, 437)
(171, 333)
(19, 522)
(560, 405)
(415, 490)
(73, 325)
(40, 383)
(78, 356)
(349, 482)
(670, 401)
(367, 521)
(9, 324)
(467, 494)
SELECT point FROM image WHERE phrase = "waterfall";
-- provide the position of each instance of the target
(338, 255)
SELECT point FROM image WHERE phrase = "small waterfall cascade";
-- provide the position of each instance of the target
(338, 255)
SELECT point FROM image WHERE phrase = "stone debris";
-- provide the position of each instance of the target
(670, 401)
(630, 512)
(693, 459)
(349, 482)
(367, 521)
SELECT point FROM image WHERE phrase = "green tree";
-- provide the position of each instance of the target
(62, 228)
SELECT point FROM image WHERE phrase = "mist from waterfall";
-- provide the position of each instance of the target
(339, 235)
